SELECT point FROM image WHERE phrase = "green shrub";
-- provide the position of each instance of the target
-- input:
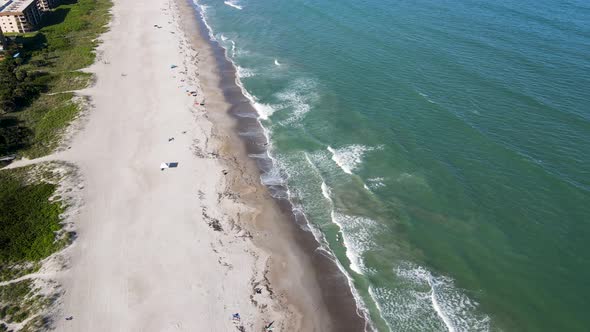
(29, 221)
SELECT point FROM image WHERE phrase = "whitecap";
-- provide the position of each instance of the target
(233, 4)
(298, 97)
(277, 62)
(348, 158)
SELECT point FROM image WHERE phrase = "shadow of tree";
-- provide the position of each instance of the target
(32, 43)
(14, 135)
(55, 16)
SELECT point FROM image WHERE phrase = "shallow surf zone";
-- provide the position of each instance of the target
(312, 183)
(342, 300)
(407, 297)
(425, 302)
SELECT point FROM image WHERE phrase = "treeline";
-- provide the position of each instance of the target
(18, 87)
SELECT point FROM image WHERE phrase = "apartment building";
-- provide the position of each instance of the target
(46, 5)
(19, 15)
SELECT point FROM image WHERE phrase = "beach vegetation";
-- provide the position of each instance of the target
(17, 86)
(19, 301)
(36, 87)
(30, 231)
(29, 222)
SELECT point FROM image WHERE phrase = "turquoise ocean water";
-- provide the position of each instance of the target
(440, 148)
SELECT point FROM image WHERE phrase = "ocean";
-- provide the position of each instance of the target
(440, 149)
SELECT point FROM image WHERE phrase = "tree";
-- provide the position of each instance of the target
(17, 87)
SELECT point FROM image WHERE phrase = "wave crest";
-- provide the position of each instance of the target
(233, 4)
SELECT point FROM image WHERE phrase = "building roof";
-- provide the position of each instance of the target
(14, 5)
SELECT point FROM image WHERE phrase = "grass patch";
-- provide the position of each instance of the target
(29, 221)
(49, 115)
(19, 301)
(31, 229)
(13, 302)
(53, 58)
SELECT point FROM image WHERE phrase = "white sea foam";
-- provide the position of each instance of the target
(298, 97)
(374, 183)
(273, 177)
(233, 48)
(354, 230)
(326, 191)
(203, 12)
(423, 301)
(311, 160)
(244, 72)
(277, 62)
(233, 4)
(378, 305)
(362, 310)
(357, 237)
(264, 110)
(348, 158)
(225, 41)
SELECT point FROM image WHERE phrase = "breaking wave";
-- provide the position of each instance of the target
(244, 72)
(348, 158)
(264, 110)
(233, 4)
(355, 230)
(203, 14)
(356, 236)
(298, 99)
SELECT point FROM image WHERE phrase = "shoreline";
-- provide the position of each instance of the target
(334, 286)
(189, 247)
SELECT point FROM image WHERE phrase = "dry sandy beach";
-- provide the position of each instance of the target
(183, 248)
